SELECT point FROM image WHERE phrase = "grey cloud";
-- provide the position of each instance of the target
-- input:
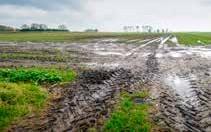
(206, 2)
(109, 15)
(44, 4)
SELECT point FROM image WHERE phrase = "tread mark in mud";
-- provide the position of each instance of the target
(193, 115)
(88, 100)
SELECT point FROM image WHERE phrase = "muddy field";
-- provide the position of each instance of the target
(177, 77)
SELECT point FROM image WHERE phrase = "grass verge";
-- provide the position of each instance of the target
(21, 91)
(129, 115)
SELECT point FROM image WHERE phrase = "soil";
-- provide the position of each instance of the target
(179, 79)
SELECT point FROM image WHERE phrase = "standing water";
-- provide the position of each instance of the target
(181, 86)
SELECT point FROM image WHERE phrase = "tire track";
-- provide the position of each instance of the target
(185, 104)
(83, 103)
(189, 114)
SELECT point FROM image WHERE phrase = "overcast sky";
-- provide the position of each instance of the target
(109, 15)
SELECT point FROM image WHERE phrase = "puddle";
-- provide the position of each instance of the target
(181, 51)
(163, 41)
(170, 54)
(98, 47)
(146, 40)
(203, 53)
(109, 40)
(141, 46)
(181, 86)
(174, 40)
(131, 41)
(7, 43)
(159, 55)
(198, 51)
(104, 53)
(175, 54)
(109, 65)
(146, 54)
(139, 100)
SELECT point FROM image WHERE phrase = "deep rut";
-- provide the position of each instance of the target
(83, 103)
(187, 113)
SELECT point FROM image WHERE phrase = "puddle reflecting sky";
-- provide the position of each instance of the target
(182, 87)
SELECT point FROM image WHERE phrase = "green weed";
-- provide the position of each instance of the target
(36, 75)
(129, 116)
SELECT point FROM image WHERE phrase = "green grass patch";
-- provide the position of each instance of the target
(129, 116)
(36, 75)
(18, 100)
(69, 36)
(194, 38)
(21, 92)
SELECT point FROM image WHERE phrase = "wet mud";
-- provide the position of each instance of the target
(178, 77)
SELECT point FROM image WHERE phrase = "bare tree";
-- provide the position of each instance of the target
(91, 30)
(35, 26)
(62, 27)
(137, 28)
(131, 28)
(163, 30)
(25, 26)
(144, 28)
(43, 27)
(150, 29)
(125, 29)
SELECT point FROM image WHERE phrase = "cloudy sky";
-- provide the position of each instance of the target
(109, 15)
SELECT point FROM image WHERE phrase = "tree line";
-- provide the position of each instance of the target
(6, 28)
(42, 27)
(144, 28)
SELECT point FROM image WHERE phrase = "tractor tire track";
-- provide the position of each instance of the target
(83, 103)
(90, 99)
(185, 101)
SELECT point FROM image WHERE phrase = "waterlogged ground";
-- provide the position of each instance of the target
(178, 77)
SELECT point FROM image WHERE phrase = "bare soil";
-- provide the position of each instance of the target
(178, 78)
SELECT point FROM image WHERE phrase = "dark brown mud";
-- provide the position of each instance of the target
(81, 105)
(89, 101)
(179, 79)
